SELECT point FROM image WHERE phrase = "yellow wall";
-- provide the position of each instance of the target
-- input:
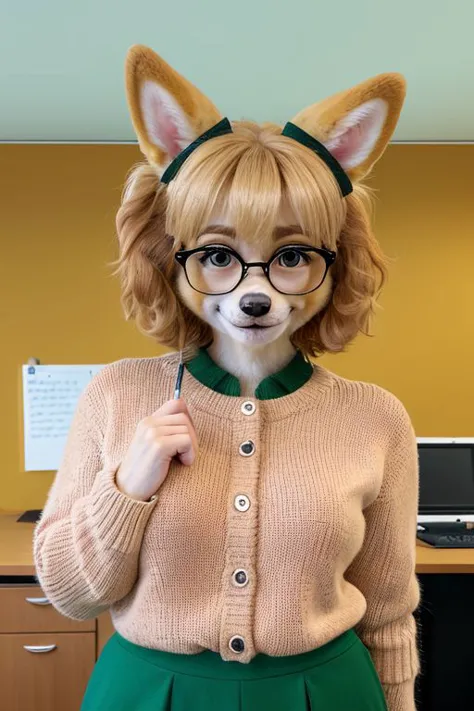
(59, 303)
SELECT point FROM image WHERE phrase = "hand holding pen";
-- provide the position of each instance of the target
(166, 434)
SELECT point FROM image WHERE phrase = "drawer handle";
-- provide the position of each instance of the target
(38, 600)
(39, 649)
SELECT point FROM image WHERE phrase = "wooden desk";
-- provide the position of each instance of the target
(443, 560)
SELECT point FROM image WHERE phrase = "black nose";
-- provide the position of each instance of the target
(255, 304)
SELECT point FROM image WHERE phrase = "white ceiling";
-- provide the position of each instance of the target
(61, 62)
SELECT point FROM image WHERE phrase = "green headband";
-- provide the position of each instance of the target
(334, 166)
(290, 130)
(220, 129)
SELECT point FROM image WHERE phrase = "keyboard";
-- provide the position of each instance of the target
(460, 539)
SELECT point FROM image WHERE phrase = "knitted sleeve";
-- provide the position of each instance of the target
(384, 570)
(87, 543)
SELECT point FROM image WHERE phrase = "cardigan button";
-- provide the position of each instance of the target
(248, 408)
(247, 448)
(240, 578)
(242, 502)
(237, 644)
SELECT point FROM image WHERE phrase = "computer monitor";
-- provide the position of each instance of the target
(446, 479)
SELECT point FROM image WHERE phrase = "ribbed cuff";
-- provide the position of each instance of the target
(119, 520)
(395, 653)
(400, 697)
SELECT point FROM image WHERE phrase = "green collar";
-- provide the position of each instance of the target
(293, 376)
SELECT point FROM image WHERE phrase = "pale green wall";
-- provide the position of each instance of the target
(61, 61)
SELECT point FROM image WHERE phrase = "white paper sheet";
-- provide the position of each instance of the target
(50, 396)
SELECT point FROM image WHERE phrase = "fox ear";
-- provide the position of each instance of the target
(356, 125)
(167, 111)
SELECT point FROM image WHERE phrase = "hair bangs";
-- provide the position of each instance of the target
(234, 175)
(247, 176)
(254, 199)
(311, 192)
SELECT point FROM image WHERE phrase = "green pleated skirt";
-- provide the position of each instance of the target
(336, 677)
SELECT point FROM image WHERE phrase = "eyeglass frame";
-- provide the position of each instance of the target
(329, 256)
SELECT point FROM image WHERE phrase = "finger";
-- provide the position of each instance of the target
(190, 417)
(187, 458)
(176, 424)
(168, 420)
(169, 430)
(173, 445)
(180, 418)
(172, 407)
(193, 435)
(185, 450)
(185, 410)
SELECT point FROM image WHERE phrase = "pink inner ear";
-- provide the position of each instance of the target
(165, 130)
(356, 135)
(165, 121)
(347, 144)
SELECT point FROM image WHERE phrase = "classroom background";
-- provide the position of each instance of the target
(60, 302)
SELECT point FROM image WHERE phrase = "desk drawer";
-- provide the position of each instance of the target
(45, 672)
(26, 609)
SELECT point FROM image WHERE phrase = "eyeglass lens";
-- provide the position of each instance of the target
(292, 271)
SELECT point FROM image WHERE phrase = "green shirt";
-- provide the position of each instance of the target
(286, 381)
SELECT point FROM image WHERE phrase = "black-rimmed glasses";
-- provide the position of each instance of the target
(292, 270)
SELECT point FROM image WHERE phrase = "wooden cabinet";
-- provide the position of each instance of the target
(45, 659)
(27, 609)
(45, 672)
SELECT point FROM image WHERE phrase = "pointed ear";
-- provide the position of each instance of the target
(167, 111)
(356, 125)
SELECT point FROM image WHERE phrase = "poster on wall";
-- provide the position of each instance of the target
(50, 397)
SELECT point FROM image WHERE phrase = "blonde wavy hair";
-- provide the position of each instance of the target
(245, 174)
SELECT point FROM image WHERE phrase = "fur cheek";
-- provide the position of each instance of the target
(306, 307)
(323, 295)
(193, 300)
(201, 305)
(209, 309)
